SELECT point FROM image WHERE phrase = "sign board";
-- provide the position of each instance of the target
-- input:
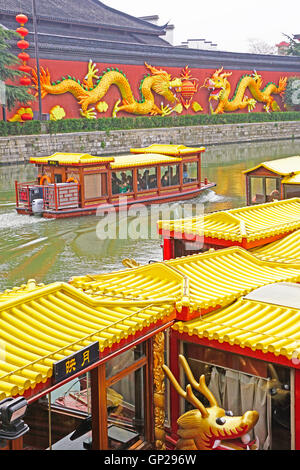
(53, 162)
(79, 361)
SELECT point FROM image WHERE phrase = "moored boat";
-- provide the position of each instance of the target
(74, 184)
(273, 180)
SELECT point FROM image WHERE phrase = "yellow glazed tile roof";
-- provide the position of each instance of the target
(123, 161)
(250, 324)
(165, 149)
(71, 159)
(201, 281)
(46, 325)
(286, 250)
(249, 223)
(282, 166)
(294, 179)
(20, 291)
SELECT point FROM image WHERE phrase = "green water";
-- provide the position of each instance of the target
(55, 250)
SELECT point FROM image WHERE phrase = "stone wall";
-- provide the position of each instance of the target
(19, 149)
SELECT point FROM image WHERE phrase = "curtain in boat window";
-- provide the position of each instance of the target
(239, 393)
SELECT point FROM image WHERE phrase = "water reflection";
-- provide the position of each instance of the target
(55, 250)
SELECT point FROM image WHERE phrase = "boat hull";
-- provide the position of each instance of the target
(116, 206)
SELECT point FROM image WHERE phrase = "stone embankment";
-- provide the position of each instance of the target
(18, 149)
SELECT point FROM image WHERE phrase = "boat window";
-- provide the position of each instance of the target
(146, 178)
(242, 385)
(169, 175)
(125, 406)
(257, 191)
(292, 190)
(126, 359)
(122, 181)
(272, 189)
(92, 186)
(58, 178)
(54, 418)
(190, 172)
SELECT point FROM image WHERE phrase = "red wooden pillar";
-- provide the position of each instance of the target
(168, 249)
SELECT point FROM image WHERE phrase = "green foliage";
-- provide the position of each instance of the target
(291, 95)
(14, 93)
(17, 128)
(142, 122)
(294, 48)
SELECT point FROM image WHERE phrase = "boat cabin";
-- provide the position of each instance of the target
(275, 179)
(71, 185)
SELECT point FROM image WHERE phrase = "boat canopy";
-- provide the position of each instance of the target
(129, 161)
(250, 223)
(258, 325)
(286, 250)
(70, 159)
(281, 167)
(172, 150)
(41, 325)
(198, 282)
(120, 161)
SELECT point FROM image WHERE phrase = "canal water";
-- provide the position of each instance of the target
(55, 250)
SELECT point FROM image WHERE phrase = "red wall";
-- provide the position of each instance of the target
(135, 74)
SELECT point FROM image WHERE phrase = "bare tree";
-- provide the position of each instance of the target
(259, 46)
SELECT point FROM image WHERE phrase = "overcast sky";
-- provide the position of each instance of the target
(229, 23)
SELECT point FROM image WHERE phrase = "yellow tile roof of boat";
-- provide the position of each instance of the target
(286, 250)
(120, 161)
(250, 223)
(129, 161)
(70, 159)
(199, 282)
(282, 166)
(265, 326)
(42, 326)
(168, 149)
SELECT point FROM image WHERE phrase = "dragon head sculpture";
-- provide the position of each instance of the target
(163, 84)
(217, 84)
(205, 428)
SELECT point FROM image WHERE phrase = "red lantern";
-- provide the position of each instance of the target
(26, 81)
(21, 19)
(23, 44)
(25, 68)
(188, 88)
(22, 31)
(26, 117)
(24, 56)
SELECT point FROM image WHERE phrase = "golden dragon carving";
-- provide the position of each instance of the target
(220, 89)
(205, 428)
(94, 87)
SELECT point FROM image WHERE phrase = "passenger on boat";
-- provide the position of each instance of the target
(165, 181)
(115, 182)
(175, 179)
(185, 174)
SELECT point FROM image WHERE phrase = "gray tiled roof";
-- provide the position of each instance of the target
(87, 11)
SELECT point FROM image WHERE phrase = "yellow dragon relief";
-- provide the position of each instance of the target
(94, 87)
(220, 88)
(205, 428)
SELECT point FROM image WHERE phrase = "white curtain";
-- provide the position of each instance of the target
(239, 393)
